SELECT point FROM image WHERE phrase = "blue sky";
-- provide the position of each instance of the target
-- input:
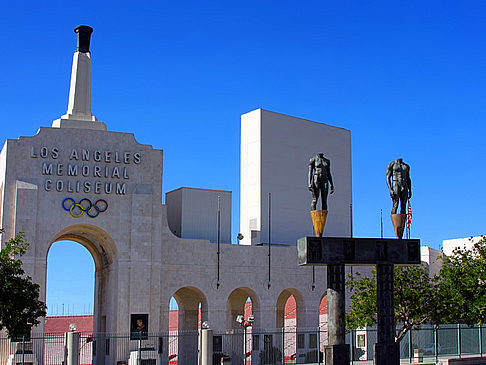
(407, 78)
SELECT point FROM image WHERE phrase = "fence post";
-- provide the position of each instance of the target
(459, 350)
(480, 340)
(436, 345)
(206, 347)
(410, 347)
(71, 355)
(283, 344)
(353, 336)
(139, 352)
(23, 350)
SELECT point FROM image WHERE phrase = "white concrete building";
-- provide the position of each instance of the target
(448, 246)
(193, 213)
(275, 153)
(433, 259)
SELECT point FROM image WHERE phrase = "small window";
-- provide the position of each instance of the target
(217, 343)
(301, 341)
(361, 341)
(256, 342)
(313, 341)
(267, 341)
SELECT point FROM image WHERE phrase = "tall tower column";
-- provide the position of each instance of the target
(79, 114)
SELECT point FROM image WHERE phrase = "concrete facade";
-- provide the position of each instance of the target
(433, 259)
(275, 154)
(193, 213)
(103, 189)
(140, 264)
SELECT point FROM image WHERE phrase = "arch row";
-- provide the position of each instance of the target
(289, 309)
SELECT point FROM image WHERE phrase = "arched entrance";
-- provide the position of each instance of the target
(192, 310)
(236, 303)
(242, 302)
(104, 253)
(323, 322)
(289, 315)
(70, 282)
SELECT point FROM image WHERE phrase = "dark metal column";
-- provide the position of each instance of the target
(387, 351)
(337, 352)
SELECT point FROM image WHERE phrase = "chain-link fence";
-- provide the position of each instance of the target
(242, 346)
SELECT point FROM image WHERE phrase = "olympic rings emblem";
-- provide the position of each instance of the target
(84, 206)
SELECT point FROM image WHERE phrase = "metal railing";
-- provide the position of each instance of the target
(249, 346)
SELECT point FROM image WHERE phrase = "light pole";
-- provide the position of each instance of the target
(245, 324)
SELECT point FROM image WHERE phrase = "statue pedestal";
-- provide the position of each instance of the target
(319, 218)
(398, 221)
(337, 354)
(386, 354)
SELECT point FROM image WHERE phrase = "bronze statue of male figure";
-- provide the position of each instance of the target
(320, 180)
(399, 184)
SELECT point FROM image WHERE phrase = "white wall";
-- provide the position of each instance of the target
(449, 245)
(432, 258)
(173, 201)
(275, 154)
(192, 213)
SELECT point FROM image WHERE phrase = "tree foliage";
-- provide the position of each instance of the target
(456, 295)
(20, 306)
(415, 302)
(462, 285)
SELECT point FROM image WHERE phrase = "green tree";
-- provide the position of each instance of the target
(415, 299)
(20, 306)
(462, 285)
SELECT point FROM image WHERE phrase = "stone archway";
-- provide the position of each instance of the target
(290, 304)
(323, 321)
(235, 305)
(103, 250)
(192, 311)
(240, 344)
(104, 253)
(188, 299)
(299, 307)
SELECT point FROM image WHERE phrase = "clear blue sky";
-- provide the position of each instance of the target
(407, 78)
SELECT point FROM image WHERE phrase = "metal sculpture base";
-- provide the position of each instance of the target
(319, 218)
(337, 354)
(398, 221)
(386, 353)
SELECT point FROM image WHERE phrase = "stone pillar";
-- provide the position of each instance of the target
(386, 349)
(79, 113)
(71, 350)
(337, 353)
(205, 347)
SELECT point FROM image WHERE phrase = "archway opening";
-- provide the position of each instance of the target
(242, 315)
(103, 252)
(290, 309)
(70, 282)
(102, 249)
(70, 291)
(323, 322)
(244, 302)
(187, 311)
(289, 313)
